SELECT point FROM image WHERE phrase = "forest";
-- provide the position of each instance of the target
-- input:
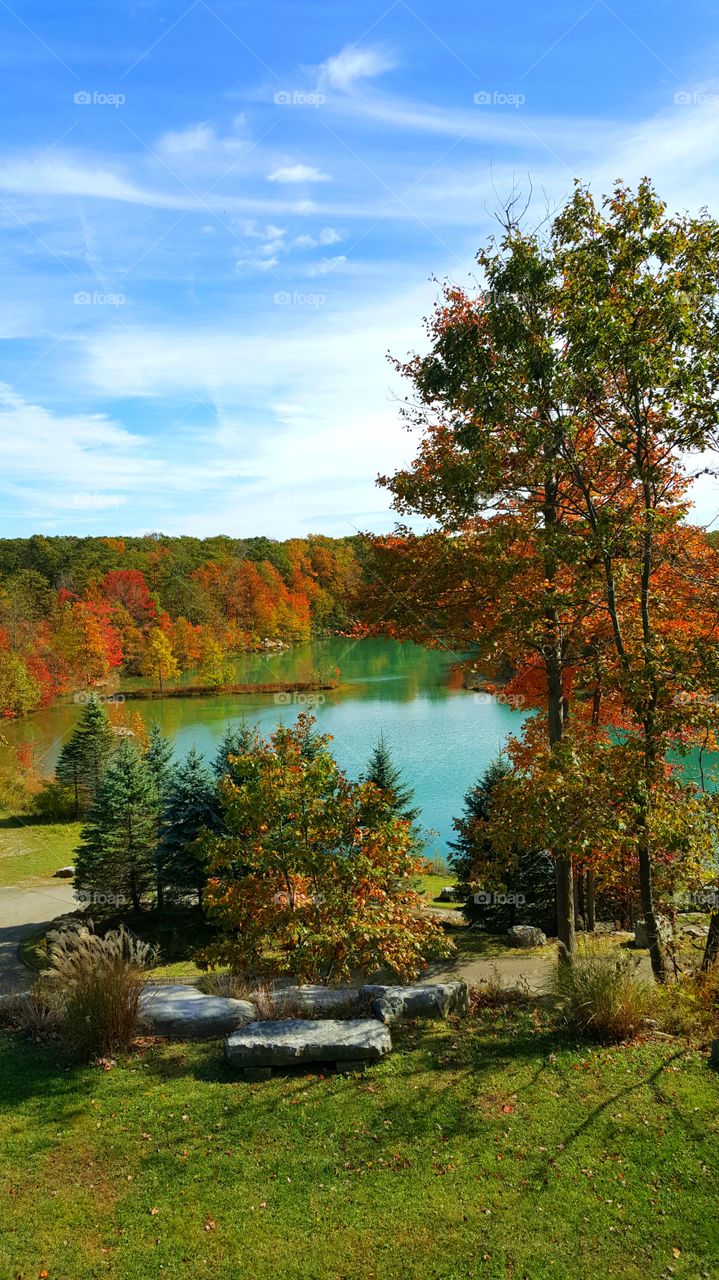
(76, 612)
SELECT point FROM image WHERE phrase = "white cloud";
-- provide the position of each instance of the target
(326, 236)
(198, 137)
(354, 63)
(326, 265)
(298, 173)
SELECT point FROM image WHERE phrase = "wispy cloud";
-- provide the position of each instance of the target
(355, 63)
(296, 173)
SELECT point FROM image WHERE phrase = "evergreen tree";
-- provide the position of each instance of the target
(190, 811)
(387, 776)
(116, 855)
(84, 757)
(68, 771)
(159, 760)
(237, 740)
(527, 880)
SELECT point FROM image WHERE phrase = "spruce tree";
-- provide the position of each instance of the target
(237, 740)
(68, 771)
(116, 856)
(528, 880)
(83, 758)
(159, 760)
(190, 810)
(387, 776)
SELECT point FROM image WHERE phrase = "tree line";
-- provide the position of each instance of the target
(76, 613)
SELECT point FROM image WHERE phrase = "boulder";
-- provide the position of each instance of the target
(317, 1001)
(640, 932)
(64, 873)
(292, 1042)
(430, 1000)
(694, 931)
(525, 935)
(188, 1014)
(450, 893)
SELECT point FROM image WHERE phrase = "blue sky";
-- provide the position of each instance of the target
(217, 218)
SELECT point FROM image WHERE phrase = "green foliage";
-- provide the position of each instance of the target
(159, 760)
(19, 690)
(483, 870)
(384, 774)
(190, 811)
(115, 860)
(601, 995)
(238, 740)
(315, 878)
(83, 757)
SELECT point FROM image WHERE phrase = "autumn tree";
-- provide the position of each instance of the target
(316, 878)
(158, 660)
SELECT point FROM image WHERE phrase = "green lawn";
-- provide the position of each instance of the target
(29, 848)
(496, 1149)
(430, 887)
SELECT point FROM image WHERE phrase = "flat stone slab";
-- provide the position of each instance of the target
(188, 1014)
(430, 1000)
(317, 1001)
(297, 1040)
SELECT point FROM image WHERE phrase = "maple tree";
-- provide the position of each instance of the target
(555, 408)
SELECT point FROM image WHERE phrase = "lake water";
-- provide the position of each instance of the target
(440, 734)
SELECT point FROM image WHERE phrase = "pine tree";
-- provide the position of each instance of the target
(237, 740)
(159, 760)
(68, 771)
(481, 873)
(84, 757)
(116, 856)
(387, 776)
(190, 810)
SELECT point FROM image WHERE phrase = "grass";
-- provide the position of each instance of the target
(430, 887)
(29, 848)
(497, 1148)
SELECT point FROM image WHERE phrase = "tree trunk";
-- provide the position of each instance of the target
(711, 950)
(646, 888)
(591, 905)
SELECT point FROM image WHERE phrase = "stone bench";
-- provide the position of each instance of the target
(257, 1048)
(430, 1000)
(173, 1009)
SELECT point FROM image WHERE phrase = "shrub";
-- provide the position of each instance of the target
(98, 982)
(601, 994)
(54, 802)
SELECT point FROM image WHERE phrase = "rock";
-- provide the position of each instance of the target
(450, 893)
(640, 932)
(430, 1000)
(694, 931)
(525, 935)
(64, 873)
(317, 1001)
(286, 1044)
(189, 1014)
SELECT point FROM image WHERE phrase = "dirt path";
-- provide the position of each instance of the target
(23, 909)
